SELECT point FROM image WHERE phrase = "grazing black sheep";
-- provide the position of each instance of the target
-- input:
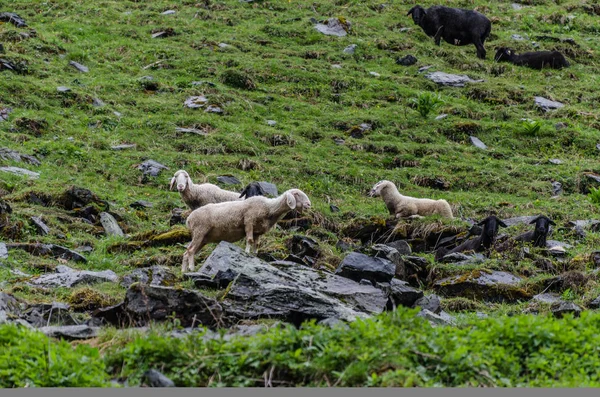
(481, 243)
(253, 189)
(456, 26)
(534, 59)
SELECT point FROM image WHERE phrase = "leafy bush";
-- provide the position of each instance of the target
(427, 102)
(531, 127)
(594, 195)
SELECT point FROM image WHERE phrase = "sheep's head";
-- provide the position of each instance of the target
(503, 54)
(542, 225)
(418, 13)
(490, 226)
(378, 187)
(253, 189)
(297, 200)
(181, 179)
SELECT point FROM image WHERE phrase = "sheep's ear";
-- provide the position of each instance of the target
(172, 183)
(244, 192)
(291, 201)
(534, 220)
(552, 222)
(501, 223)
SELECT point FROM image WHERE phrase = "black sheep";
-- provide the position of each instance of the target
(539, 234)
(481, 243)
(534, 59)
(253, 189)
(456, 26)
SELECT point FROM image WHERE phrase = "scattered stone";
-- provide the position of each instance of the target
(98, 103)
(442, 318)
(228, 180)
(430, 302)
(595, 304)
(220, 280)
(177, 217)
(518, 220)
(516, 6)
(547, 297)
(269, 188)
(63, 89)
(110, 225)
(336, 66)
(401, 246)
(80, 67)
(333, 27)
(399, 293)
(560, 126)
(546, 104)
(517, 37)
(492, 286)
(13, 18)
(555, 161)
(151, 168)
(477, 143)
(155, 275)
(424, 68)
(208, 83)
(70, 332)
(407, 60)
(68, 277)
(124, 146)
(357, 266)
(350, 49)
(195, 102)
(40, 226)
(153, 377)
(4, 112)
(334, 208)
(9, 154)
(271, 123)
(141, 204)
(3, 251)
(168, 32)
(168, 12)
(559, 309)
(48, 249)
(333, 322)
(451, 80)
(458, 258)
(20, 171)
(223, 45)
(441, 116)
(556, 188)
(213, 109)
(303, 247)
(374, 74)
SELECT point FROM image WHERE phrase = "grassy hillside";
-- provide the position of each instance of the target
(264, 60)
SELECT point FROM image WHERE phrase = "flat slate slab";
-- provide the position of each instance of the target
(451, 80)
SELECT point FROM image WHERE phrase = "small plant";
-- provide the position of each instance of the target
(426, 102)
(569, 295)
(594, 195)
(531, 127)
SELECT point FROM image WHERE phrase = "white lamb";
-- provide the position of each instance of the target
(232, 221)
(196, 196)
(404, 206)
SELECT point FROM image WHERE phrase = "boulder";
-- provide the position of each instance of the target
(451, 80)
(430, 302)
(489, 286)
(357, 266)
(155, 275)
(68, 277)
(56, 251)
(70, 332)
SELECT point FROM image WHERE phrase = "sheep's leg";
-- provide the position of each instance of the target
(255, 247)
(480, 49)
(190, 252)
(438, 35)
(249, 237)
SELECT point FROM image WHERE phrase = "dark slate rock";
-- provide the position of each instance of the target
(213, 109)
(451, 80)
(67, 277)
(334, 208)
(401, 246)
(145, 303)
(191, 130)
(269, 188)
(177, 217)
(434, 319)
(141, 205)
(228, 180)
(494, 286)
(289, 292)
(97, 102)
(430, 302)
(333, 27)
(546, 104)
(595, 304)
(357, 266)
(157, 379)
(365, 282)
(559, 309)
(517, 37)
(302, 246)
(151, 168)
(79, 67)
(547, 297)
(391, 254)
(110, 225)
(155, 275)
(46, 314)
(124, 146)
(351, 49)
(271, 123)
(56, 251)
(13, 18)
(3, 251)
(20, 171)
(525, 220)
(333, 323)
(407, 60)
(9, 154)
(556, 188)
(459, 258)
(195, 102)
(40, 226)
(63, 89)
(399, 293)
(71, 332)
(477, 143)
(10, 306)
(4, 112)
(220, 280)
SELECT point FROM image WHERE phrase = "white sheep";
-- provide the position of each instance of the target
(404, 206)
(232, 221)
(196, 196)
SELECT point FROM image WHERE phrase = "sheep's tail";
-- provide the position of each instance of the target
(444, 208)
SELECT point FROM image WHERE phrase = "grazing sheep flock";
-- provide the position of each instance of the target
(221, 215)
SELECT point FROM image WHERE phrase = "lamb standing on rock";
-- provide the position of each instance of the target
(196, 196)
(404, 206)
(455, 25)
(482, 243)
(232, 221)
(534, 60)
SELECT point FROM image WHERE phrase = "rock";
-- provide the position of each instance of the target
(41, 227)
(303, 246)
(195, 102)
(594, 177)
(555, 161)
(489, 286)
(98, 103)
(365, 282)
(228, 180)
(56, 251)
(399, 293)
(141, 205)
(518, 220)
(336, 66)
(9, 154)
(516, 6)
(269, 188)
(213, 109)
(63, 89)
(517, 37)
(560, 126)
(430, 302)
(559, 309)
(374, 74)
(4, 112)
(547, 297)
(20, 171)
(151, 168)
(289, 292)
(176, 217)
(595, 304)
(3, 251)
(357, 266)
(441, 116)
(350, 49)
(168, 12)
(271, 123)
(68, 277)
(442, 318)
(155, 378)
(10, 306)
(333, 323)
(191, 130)
(556, 188)
(13, 18)
(124, 146)
(46, 314)
(416, 269)
(477, 143)
(560, 244)
(333, 27)
(451, 80)
(391, 254)
(70, 332)
(155, 275)
(458, 258)
(80, 67)
(591, 224)
(144, 304)
(407, 60)
(110, 225)
(401, 246)
(334, 208)
(168, 32)
(220, 280)
(546, 104)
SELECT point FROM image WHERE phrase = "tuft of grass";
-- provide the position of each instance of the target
(426, 103)
(594, 195)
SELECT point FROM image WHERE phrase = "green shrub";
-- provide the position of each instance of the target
(427, 102)
(531, 127)
(594, 195)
